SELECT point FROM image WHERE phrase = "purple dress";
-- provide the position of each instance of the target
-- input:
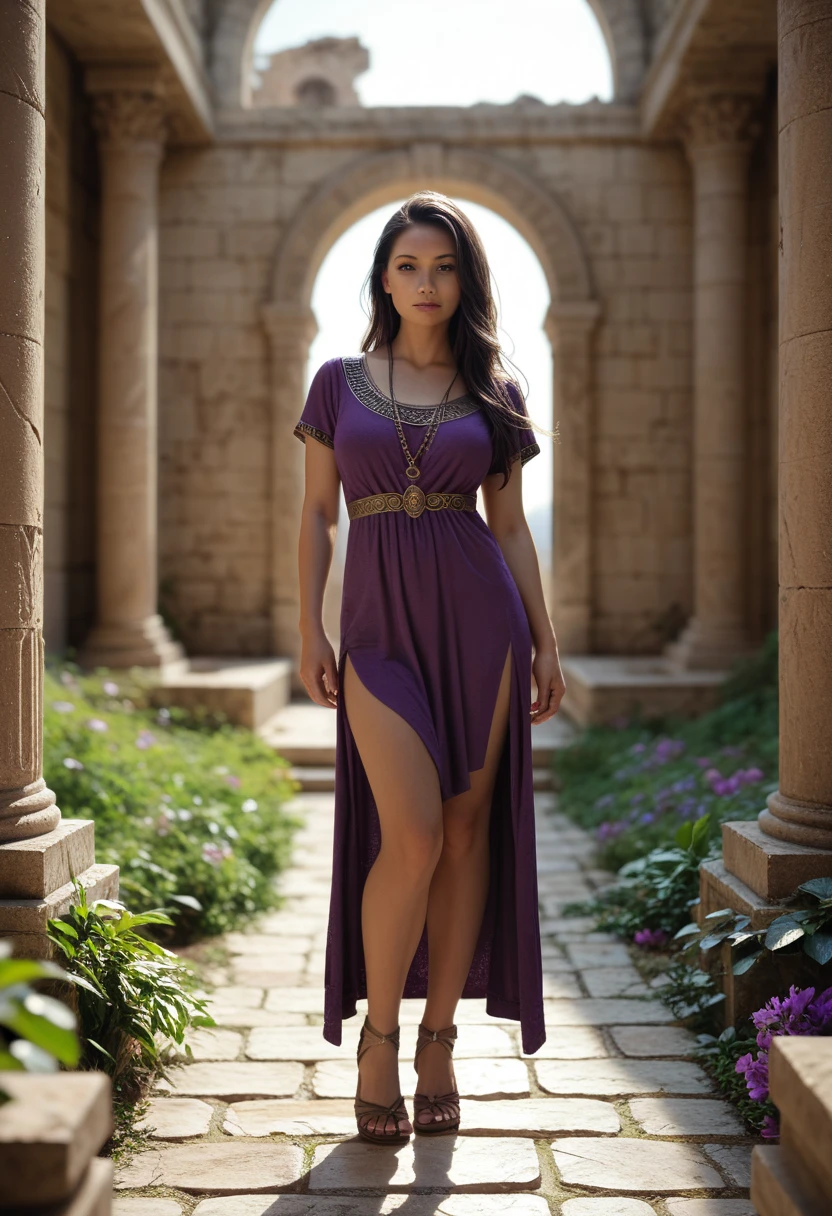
(428, 610)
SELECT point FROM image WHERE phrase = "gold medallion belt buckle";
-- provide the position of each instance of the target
(414, 501)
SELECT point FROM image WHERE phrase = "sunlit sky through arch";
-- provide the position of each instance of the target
(456, 52)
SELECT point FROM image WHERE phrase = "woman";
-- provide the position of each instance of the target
(434, 890)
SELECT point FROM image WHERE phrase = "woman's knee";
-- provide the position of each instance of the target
(465, 827)
(416, 849)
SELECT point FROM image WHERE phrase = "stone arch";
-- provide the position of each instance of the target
(338, 202)
(237, 21)
(623, 26)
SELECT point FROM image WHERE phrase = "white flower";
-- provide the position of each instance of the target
(110, 688)
(249, 805)
(70, 763)
(63, 707)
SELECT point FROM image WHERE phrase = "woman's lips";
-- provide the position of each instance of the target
(426, 306)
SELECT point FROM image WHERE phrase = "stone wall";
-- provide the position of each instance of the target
(71, 289)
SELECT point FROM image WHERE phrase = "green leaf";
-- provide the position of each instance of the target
(819, 947)
(684, 836)
(820, 887)
(686, 931)
(190, 901)
(782, 932)
(745, 964)
(720, 914)
(32, 1057)
(712, 939)
(23, 970)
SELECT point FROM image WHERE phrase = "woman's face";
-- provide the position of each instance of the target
(421, 275)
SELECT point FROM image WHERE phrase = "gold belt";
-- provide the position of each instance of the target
(413, 500)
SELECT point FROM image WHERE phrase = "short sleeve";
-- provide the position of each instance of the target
(522, 440)
(319, 415)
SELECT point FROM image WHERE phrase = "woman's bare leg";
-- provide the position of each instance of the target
(405, 786)
(457, 898)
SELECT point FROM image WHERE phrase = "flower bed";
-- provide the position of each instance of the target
(191, 809)
(634, 783)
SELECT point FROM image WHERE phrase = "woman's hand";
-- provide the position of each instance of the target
(550, 684)
(319, 669)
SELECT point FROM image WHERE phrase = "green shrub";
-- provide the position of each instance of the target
(654, 893)
(191, 808)
(633, 784)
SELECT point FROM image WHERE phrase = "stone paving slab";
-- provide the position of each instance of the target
(431, 1163)
(234, 1081)
(475, 1079)
(733, 1160)
(642, 1167)
(618, 1206)
(239, 996)
(388, 1205)
(562, 986)
(538, 1117)
(248, 971)
(710, 1207)
(614, 1012)
(621, 1077)
(613, 981)
(314, 1117)
(686, 1117)
(211, 1044)
(571, 1043)
(647, 1042)
(176, 1118)
(224, 1169)
(598, 954)
(246, 1019)
(146, 1207)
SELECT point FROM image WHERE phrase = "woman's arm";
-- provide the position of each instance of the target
(316, 544)
(507, 520)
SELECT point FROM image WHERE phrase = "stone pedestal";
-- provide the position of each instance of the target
(50, 1133)
(795, 1179)
(719, 135)
(130, 117)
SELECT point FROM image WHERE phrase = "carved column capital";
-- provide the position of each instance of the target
(720, 119)
(125, 118)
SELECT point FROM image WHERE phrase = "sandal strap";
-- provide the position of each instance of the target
(364, 1042)
(439, 1105)
(365, 1111)
(446, 1037)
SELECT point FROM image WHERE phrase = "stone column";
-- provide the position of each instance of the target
(27, 807)
(720, 131)
(800, 812)
(570, 326)
(130, 118)
(39, 852)
(290, 331)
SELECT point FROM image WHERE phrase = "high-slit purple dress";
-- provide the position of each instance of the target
(428, 610)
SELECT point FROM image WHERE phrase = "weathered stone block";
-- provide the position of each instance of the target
(800, 1071)
(30, 916)
(771, 868)
(33, 869)
(638, 1166)
(719, 889)
(224, 1169)
(50, 1131)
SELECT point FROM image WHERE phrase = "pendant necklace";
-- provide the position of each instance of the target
(412, 471)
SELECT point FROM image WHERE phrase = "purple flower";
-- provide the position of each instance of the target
(750, 775)
(650, 939)
(756, 1075)
(647, 817)
(702, 762)
(233, 781)
(638, 748)
(110, 688)
(145, 740)
(712, 775)
(605, 801)
(636, 799)
(216, 853)
(96, 724)
(770, 1129)
(63, 707)
(609, 830)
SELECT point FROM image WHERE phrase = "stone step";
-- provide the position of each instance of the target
(24, 921)
(248, 691)
(50, 1133)
(776, 1191)
(33, 869)
(800, 1078)
(600, 688)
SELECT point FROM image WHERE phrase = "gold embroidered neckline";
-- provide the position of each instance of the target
(367, 392)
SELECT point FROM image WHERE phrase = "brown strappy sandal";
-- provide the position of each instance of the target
(446, 1105)
(365, 1111)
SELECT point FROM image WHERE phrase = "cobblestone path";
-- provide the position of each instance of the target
(610, 1118)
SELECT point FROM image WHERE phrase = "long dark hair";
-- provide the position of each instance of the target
(472, 330)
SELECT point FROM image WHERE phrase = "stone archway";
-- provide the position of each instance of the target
(342, 199)
(237, 23)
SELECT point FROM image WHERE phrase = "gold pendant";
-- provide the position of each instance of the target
(413, 472)
(413, 501)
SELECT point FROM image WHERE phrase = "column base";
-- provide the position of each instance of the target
(144, 643)
(702, 647)
(28, 812)
(800, 823)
